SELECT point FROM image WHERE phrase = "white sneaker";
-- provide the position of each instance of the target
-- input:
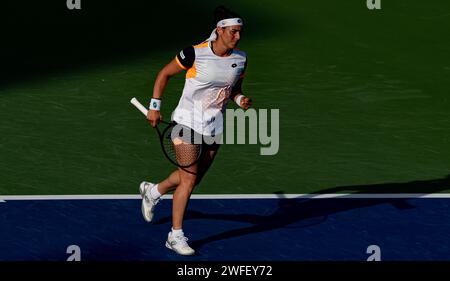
(179, 244)
(148, 203)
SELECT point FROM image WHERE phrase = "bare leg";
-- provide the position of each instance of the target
(206, 162)
(182, 194)
(189, 178)
(173, 180)
(170, 183)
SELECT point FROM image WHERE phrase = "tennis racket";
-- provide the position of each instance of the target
(177, 147)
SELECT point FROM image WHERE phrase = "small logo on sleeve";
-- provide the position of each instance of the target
(233, 65)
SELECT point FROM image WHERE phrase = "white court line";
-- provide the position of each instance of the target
(231, 196)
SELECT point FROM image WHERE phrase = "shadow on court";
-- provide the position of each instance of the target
(295, 210)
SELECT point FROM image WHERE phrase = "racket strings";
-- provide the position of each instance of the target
(182, 153)
(186, 154)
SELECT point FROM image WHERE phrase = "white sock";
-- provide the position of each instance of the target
(176, 232)
(154, 192)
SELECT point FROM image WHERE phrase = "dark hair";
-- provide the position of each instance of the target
(222, 12)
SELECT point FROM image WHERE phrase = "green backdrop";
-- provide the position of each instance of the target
(362, 94)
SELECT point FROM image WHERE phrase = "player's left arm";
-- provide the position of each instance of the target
(236, 93)
(238, 97)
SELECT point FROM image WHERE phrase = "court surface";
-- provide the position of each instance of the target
(338, 228)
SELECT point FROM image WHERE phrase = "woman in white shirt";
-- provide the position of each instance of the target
(214, 74)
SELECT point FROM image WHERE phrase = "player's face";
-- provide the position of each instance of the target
(231, 35)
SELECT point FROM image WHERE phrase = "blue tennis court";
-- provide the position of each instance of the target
(299, 229)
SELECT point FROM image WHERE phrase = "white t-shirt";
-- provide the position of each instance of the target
(209, 82)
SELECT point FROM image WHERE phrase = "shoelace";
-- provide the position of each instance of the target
(149, 198)
(182, 240)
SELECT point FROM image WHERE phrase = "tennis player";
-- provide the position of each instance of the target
(214, 74)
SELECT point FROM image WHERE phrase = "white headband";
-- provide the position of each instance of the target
(224, 23)
(229, 22)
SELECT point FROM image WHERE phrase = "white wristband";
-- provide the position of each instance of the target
(238, 99)
(155, 104)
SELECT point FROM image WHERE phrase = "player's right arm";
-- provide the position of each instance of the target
(162, 79)
(184, 60)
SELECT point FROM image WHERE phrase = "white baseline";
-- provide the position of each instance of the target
(230, 196)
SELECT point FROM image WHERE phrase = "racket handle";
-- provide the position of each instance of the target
(139, 106)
